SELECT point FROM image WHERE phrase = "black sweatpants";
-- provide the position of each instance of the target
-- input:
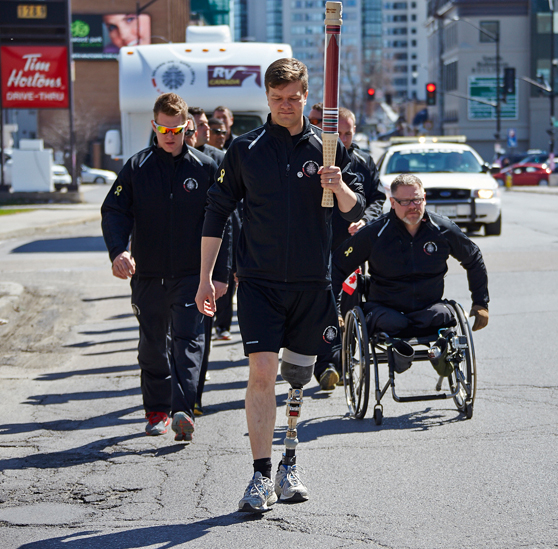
(171, 342)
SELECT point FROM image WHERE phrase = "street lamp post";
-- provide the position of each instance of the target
(496, 39)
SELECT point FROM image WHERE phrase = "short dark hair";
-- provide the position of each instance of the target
(284, 71)
(171, 105)
(196, 110)
(215, 122)
(318, 107)
(191, 117)
(221, 108)
(405, 180)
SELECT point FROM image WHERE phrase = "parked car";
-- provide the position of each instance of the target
(524, 174)
(60, 177)
(455, 178)
(94, 175)
(540, 157)
(503, 160)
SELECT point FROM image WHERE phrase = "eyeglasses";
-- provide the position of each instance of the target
(415, 201)
(315, 121)
(218, 131)
(175, 131)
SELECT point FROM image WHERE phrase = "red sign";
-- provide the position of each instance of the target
(34, 77)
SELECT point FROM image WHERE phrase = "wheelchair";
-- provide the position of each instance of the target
(361, 351)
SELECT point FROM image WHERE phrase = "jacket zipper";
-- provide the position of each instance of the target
(288, 222)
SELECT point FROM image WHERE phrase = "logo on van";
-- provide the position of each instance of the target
(172, 75)
(233, 76)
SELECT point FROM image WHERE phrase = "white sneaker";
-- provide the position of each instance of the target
(258, 496)
(288, 486)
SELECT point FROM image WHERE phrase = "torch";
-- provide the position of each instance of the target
(330, 118)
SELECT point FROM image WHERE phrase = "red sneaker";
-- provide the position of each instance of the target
(157, 423)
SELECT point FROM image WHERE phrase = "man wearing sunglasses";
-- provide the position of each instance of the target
(226, 116)
(407, 251)
(217, 133)
(316, 114)
(158, 201)
(203, 134)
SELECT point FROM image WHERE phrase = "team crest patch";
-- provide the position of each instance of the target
(330, 333)
(190, 185)
(430, 247)
(136, 309)
(310, 168)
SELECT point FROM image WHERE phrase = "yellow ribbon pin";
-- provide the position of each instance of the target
(118, 190)
(347, 252)
(220, 178)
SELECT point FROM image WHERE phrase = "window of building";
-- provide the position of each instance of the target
(491, 28)
(413, 43)
(413, 31)
(395, 5)
(395, 31)
(450, 76)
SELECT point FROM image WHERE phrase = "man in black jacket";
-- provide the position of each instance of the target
(407, 251)
(158, 199)
(328, 367)
(284, 292)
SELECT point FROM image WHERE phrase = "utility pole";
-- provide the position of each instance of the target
(551, 95)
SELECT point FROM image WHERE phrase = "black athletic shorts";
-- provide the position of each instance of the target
(304, 321)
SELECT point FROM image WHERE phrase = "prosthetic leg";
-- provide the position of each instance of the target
(296, 369)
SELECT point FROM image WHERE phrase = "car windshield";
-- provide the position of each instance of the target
(433, 161)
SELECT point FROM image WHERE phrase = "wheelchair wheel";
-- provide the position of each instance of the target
(356, 363)
(465, 398)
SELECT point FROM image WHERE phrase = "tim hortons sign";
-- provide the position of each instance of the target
(34, 77)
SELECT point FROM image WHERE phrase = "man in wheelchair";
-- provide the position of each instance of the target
(407, 251)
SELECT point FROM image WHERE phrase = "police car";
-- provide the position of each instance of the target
(457, 181)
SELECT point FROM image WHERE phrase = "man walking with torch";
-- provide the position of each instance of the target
(284, 293)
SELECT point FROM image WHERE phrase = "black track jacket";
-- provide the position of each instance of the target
(286, 234)
(406, 273)
(365, 169)
(161, 203)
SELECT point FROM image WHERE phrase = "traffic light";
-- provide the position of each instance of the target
(370, 94)
(509, 81)
(430, 93)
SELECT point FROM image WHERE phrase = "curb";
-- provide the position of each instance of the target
(31, 230)
(532, 189)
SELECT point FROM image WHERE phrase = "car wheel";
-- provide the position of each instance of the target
(472, 227)
(543, 183)
(58, 187)
(100, 180)
(494, 229)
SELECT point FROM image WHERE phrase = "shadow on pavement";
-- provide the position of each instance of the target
(106, 298)
(110, 419)
(112, 330)
(104, 370)
(84, 344)
(63, 245)
(111, 352)
(45, 400)
(88, 453)
(162, 536)
(423, 420)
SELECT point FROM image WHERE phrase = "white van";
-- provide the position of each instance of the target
(205, 74)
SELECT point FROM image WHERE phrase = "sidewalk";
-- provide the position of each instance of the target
(45, 216)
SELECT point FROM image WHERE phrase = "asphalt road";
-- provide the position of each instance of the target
(77, 471)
